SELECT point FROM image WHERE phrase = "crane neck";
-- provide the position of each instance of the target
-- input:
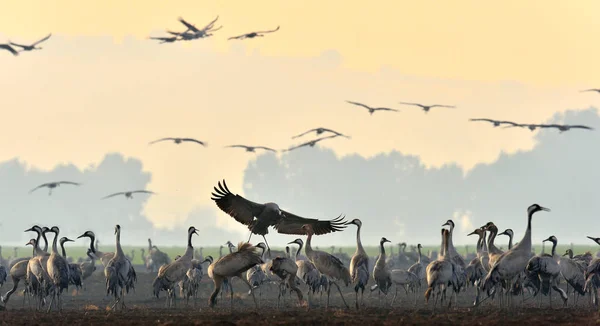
(479, 244)
(119, 250)
(149, 245)
(307, 246)
(62, 247)
(484, 245)
(510, 241)
(54, 242)
(491, 246)
(381, 250)
(554, 243)
(419, 250)
(359, 246)
(298, 251)
(189, 251)
(45, 241)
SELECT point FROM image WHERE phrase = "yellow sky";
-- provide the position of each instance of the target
(95, 88)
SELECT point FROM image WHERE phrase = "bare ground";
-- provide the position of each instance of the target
(92, 307)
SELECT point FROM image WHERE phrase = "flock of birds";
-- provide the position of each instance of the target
(493, 272)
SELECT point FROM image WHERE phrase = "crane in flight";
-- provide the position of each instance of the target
(259, 217)
(32, 46)
(251, 148)
(192, 32)
(319, 131)
(165, 39)
(426, 108)
(52, 185)
(179, 140)
(371, 109)
(129, 194)
(310, 143)
(597, 90)
(529, 126)
(253, 34)
(563, 128)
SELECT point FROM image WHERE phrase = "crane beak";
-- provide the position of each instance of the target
(445, 224)
(545, 209)
(81, 236)
(593, 239)
(566, 253)
(30, 229)
(503, 233)
(474, 232)
(386, 240)
(69, 240)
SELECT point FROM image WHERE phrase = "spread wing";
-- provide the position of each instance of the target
(69, 183)
(581, 127)
(143, 192)
(271, 31)
(237, 37)
(38, 187)
(164, 38)
(359, 104)
(385, 109)
(210, 25)
(292, 224)
(236, 206)
(159, 140)
(415, 104)
(548, 126)
(592, 90)
(188, 25)
(112, 195)
(442, 106)
(9, 48)
(42, 40)
(194, 140)
(266, 148)
(237, 146)
(482, 119)
(304, 133)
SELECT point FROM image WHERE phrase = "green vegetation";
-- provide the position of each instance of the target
(77, 252)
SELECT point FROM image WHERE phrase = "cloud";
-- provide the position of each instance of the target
(396, 195)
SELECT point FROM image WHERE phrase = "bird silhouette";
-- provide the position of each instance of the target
(253, 34)
(319, 131)
(179, 140)
(426, 108)
(251, 148)
(371, 109)
(597, 90)
(165, 39)
(128, 194)
(311, 143)
(193, 32)
(564, 128)
(496, 123)
(52, 185)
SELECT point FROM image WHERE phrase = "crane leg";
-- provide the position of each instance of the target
(339, 290)
(395, 295)
(268, 248)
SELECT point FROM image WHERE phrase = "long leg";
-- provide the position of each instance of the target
(251, 291)
(341, 295)
(268, 248)
(250, 236)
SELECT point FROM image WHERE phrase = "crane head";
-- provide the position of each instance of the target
(117, 228)
(297, 241)
(356, 222)
(536, 208)
(88, 234)
(596, 240)
(551, 239)
(32, 242)
(384, 240)
(192, 230)
(450, 223)
(55, 229)
(508, 232)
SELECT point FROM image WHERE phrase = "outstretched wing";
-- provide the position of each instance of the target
(304, 133)
(581, 127)
(143, 192)
(42, 40)
(266, 148)
(194, 140)
(271, 31)
(410, 103)
(482, 119)
(38, 187)
(210, 25)
(237, 146)
(113, 195)
(442, 106)
(236, 206)
(359, 104)
(188, 25)
(592, 90)
(159, 140)
(549, 126)
(237, 37)
(297, 146)
(292, 224)
(9, 48)
(385, 109)
(69, 183)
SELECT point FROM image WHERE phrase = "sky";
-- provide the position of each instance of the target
(100, 90)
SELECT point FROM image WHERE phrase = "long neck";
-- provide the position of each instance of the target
(119, 251)
(359, 246)
(37, 240)
(419, 250)
(230, 249)
(62, 247)
(54, 246)
(298, 251)
(510, 244)
(149, 245)
(444, 248)
(526, 241)
(554, 243)
(307, 247)
(381, 251)
(491, 244)
(479, 244)
(449, 243)
(189, 251)
(45, 242)
(484, 242)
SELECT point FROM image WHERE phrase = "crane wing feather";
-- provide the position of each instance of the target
(236, 206)
(292, 224)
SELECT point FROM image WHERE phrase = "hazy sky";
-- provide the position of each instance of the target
(99, 86)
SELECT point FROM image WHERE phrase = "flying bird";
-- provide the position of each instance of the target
(597, 90)
(251, 148)
(165, 39)
(372, 110)
(319, 131)
(259, 217)
(9, 48)
(311, 143)
(426, 108)
(495, 122)
(32, 46)
(253, 34)
(198, 33)
(52, 185)
(564, 128)
(179, 140)
(128, 194)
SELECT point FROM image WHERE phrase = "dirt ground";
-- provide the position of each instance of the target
(92, 307)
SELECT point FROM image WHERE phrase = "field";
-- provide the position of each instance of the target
(91, 306)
